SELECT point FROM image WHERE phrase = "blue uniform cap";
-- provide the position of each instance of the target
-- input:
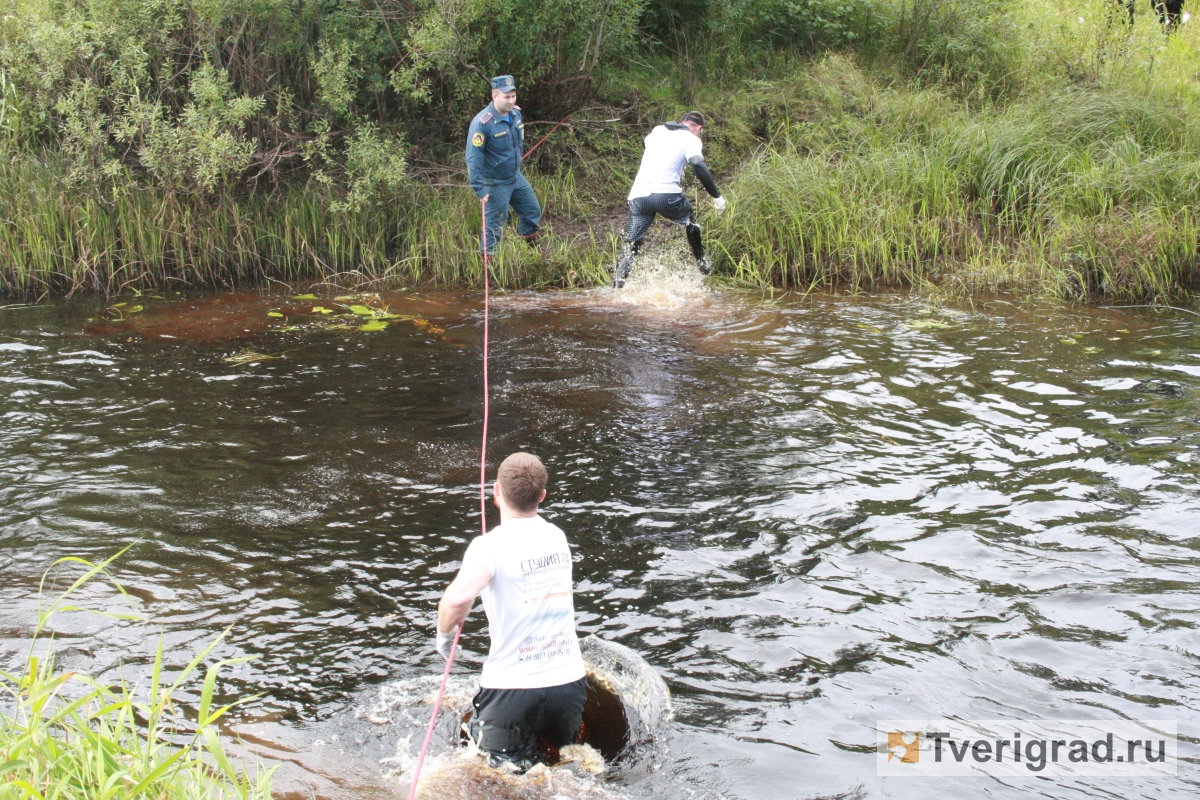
(504, 83)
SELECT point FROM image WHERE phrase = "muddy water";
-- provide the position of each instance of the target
(806, 515)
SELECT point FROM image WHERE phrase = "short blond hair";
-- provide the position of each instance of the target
(522, 479)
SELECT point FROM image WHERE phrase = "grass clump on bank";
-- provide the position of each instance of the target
(63, 735)
(1077, 192)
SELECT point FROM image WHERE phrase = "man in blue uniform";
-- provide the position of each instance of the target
(495, 143)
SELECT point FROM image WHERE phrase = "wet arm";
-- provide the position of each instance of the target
(460, 596)
(705, 177)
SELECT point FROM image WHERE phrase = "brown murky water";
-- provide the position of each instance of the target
(806, 515)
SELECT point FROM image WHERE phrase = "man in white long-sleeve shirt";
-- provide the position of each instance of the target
(533, 683)
(656, 190)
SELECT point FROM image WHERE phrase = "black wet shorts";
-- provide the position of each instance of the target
(508, 723)
(674, 207)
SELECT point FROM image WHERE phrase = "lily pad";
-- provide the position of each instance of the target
(362, 311)
(305, 297)
(1091, 349)
(274, 314)
(322, 310)
(923, 324)
(373, 325)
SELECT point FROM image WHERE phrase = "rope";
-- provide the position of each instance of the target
(1173, 308)
(544, 138)
(437, 703)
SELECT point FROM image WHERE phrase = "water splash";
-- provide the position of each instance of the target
(663, 277)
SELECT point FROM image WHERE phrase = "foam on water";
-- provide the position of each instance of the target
(454, 770)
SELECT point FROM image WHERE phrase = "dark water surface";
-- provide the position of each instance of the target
(807, 516)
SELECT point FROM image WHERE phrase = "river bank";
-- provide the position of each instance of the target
(1057, 161)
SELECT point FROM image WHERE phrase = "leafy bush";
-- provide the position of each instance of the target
(806, 25)
(188, 95)
(965, 41)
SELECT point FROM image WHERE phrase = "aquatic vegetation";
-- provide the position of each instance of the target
(66, 735)
(248, 357)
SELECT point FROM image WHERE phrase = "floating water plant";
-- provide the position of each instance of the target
(248, 357)
(373, 326)
(924, 324)
(305, 297)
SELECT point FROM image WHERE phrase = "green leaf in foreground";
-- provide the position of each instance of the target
(113, 741)
(373, 326)
(305, 297)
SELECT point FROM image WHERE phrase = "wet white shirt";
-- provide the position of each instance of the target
(529, 605)
(667, 153)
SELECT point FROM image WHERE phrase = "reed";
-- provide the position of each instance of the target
(1078, 193)
(61, 240)
(63, 735)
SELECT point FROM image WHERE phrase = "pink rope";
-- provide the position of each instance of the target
(544, 138)
(437, 703)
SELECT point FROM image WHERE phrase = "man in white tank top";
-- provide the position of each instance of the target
(533, 683)
(669, 149)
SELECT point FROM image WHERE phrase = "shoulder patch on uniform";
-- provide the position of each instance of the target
(486, 118)
(477, 140)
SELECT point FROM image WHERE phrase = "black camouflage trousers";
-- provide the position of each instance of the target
(674, 207)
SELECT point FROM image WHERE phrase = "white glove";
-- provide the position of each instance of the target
(444, 642)
(718, 204)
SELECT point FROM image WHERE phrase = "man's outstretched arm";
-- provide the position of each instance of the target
(703, 174)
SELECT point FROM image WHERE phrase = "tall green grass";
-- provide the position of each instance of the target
(60, 238)
(65, 736)
(1082, 191)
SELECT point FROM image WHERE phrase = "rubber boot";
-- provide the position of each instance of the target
(703, 262)
(625, 264)
(534, 240)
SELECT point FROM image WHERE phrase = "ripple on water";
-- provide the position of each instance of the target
(808, 516)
